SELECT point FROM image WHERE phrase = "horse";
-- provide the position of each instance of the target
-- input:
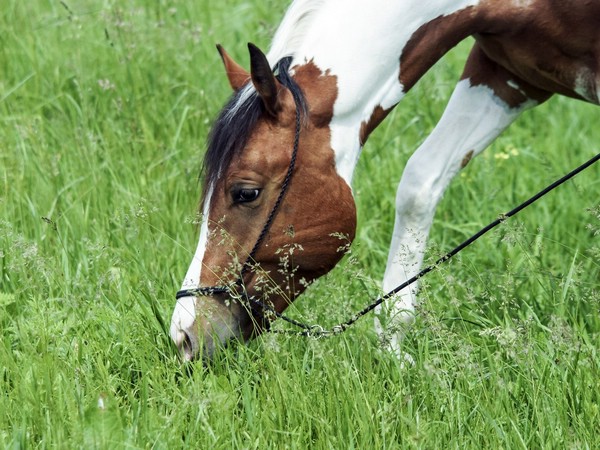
(277, 197)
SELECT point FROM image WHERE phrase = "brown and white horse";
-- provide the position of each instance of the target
(274, 209)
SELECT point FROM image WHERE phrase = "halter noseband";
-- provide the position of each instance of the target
(256, 306)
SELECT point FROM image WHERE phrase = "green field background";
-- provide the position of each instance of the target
(104, 111)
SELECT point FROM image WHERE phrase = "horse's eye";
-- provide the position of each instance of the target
(245, 195)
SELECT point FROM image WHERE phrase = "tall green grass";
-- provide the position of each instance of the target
(104, 111)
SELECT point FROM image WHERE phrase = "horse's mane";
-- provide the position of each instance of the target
(293, 28)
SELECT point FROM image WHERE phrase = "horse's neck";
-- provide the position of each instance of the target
(369, 46)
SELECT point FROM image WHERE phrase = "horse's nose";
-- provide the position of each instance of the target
(183, 327)
(186, 343)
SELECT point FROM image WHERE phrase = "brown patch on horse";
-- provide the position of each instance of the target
(321, 91)
(367, 127)
(431, 41)
(538, 48)
(466, 159)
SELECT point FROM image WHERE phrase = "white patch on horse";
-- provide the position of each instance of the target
(192, 278)
(293, 28)
(514, 85)
(367, 66)
(184, 314)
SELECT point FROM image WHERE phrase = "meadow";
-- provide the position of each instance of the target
(104, 111)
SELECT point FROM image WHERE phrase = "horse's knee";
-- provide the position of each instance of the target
(416, 194)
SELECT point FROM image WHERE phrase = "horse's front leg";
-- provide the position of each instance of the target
(486, 101)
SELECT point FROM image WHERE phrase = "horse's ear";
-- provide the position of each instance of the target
(263, 79)
(236, 74)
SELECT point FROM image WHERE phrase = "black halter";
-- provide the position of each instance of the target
(256, 306)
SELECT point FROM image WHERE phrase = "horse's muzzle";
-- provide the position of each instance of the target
(200, 324)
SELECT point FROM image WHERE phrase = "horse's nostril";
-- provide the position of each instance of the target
(185, 344)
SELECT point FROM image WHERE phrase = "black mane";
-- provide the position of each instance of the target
(232, 129)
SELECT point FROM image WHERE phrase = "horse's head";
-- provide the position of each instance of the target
(275, 211)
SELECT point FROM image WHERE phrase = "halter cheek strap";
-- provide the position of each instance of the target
(256, 306)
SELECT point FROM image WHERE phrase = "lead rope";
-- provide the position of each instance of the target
(318, 331)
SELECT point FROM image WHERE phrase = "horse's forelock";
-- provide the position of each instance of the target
(230, 133)
(233, 127)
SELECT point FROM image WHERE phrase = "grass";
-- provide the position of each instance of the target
(104, 111)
